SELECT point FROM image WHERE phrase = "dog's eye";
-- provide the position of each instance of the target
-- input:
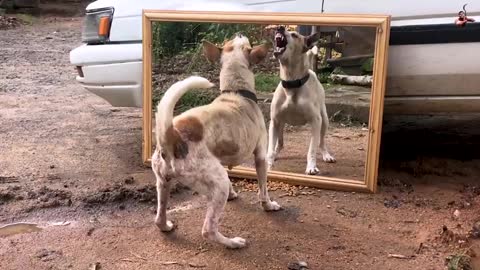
(294, 35)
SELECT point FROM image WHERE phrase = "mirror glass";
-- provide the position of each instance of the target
(316, 79)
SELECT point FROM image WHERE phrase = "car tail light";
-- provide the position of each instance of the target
(96, 26)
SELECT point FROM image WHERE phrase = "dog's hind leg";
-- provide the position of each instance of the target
(312, 168)
(163, 192)
(273, 141)
(218, 190)
(323, 131)
(279, 144)
(261, 168)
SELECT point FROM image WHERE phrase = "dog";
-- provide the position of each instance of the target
(194, 147)
(299, 98)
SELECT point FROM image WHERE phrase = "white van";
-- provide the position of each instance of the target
(434, 66)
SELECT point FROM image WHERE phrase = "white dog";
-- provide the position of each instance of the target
(194, 147)
(299, 98)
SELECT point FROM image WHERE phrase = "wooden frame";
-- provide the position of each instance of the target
(382, 24)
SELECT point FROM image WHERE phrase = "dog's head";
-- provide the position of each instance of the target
(236, 50)
(292, 44)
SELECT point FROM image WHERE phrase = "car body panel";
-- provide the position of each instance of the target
(86, 55)
(118, 83)
(416, 72)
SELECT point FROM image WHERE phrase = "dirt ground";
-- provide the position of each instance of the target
(346, 144)
(71, 164)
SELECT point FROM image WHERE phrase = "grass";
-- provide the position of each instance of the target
(191, 99)
(26, 18)
(266, 83)
(460, 261)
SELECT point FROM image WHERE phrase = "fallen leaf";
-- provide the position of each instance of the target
(400, 256)
(194, 265)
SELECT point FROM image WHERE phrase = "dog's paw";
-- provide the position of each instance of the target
(312, 170)
(329, 158)
(269, 166)
(236, 242)
(167, 227)
(271, 206)
(232, 195)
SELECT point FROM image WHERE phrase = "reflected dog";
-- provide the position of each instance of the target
(299, 98)
(193, 147)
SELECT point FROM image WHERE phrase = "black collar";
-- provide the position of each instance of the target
(244, 93)
(295, 83)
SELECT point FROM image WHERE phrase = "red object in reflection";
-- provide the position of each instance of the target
(462, 19)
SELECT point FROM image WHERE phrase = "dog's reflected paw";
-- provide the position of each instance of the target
(269, 166)
(312, 170)
(329, 158)
(237, 242)
(271, 206)
(167, 227)
(232, 195)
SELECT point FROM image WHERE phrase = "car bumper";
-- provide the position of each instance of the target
(118, 81)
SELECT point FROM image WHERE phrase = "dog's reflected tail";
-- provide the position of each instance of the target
(164, 114)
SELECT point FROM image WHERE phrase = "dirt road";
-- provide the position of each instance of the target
(71, 163)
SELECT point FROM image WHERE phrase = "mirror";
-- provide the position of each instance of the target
(322, 81)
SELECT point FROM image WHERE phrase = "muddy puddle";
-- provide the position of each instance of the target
(18, 228)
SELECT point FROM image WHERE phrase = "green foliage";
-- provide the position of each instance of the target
(459, 262)
(324, 77)
(191, 99)
(179, 37)
(367, 66)
(265, 82)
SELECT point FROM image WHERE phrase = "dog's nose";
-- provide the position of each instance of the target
(281, 29)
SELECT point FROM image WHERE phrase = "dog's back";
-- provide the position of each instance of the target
(232, 127)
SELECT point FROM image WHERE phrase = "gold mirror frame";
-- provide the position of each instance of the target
(380, 22)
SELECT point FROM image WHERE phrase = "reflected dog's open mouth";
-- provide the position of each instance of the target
(280, 44)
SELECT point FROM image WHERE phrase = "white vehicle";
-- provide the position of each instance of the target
(434, 66)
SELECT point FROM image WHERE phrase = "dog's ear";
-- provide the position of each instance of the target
(211, 52)
(258, 53)
(310, 41)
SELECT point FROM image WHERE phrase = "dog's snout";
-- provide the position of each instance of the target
(281, 29)
(240, 35)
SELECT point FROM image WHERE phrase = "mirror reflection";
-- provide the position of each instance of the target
(313, 87)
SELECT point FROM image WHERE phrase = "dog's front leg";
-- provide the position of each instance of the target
(312, 150)
(232, 195)
(261, 168)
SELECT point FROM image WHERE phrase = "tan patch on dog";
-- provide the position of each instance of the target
(211, 52)
(258, 53)
(228, 46)
(175, 144)
(186, 129)
(190, 128)
(226, 100)
(225, 148)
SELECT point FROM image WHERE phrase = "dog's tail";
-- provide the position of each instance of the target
(164, 115)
